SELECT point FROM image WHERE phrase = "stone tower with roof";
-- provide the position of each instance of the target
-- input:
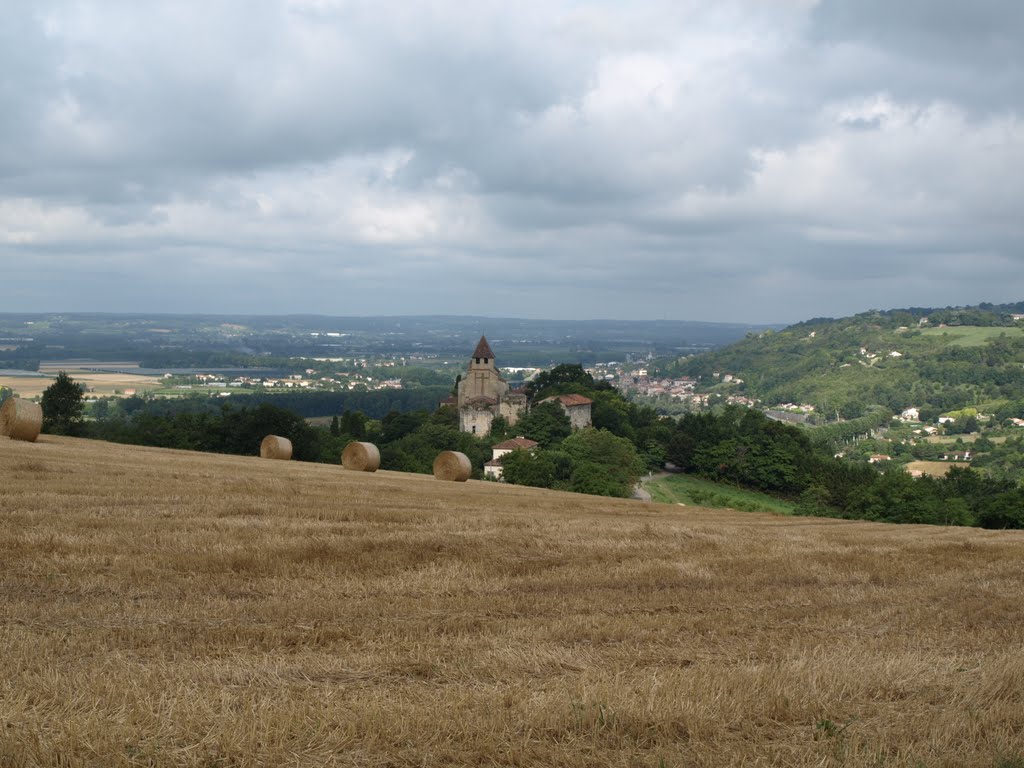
(483, 394)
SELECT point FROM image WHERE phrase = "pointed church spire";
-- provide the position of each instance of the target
(483, 350)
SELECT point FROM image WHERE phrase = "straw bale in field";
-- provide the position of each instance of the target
(274, 447)
(452, 465)
(361, 457)
(21, 419)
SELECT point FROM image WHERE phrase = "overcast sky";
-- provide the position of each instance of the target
(750, 160)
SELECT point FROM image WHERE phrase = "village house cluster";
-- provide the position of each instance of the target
(307, 381)
(639, 382)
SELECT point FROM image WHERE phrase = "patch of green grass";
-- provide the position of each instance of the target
(971, 336)
(689, 490)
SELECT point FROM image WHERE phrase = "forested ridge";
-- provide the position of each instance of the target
(935, 359)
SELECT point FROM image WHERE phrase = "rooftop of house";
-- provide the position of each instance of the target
(516, 442)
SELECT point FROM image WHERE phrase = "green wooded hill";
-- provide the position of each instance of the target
(937, 360)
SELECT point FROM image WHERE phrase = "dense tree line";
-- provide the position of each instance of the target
(745, 448)
(19, 360)
(375, 404)
(837, 433)
(230, 430)
(731, 445)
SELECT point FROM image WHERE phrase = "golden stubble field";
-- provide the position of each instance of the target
(172, 608)
(935, 468)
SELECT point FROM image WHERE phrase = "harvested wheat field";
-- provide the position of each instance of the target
(172, 608)
(934, 468)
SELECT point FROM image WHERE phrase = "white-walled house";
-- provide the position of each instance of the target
(493, 469)
(911, 414)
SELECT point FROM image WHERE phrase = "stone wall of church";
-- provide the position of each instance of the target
(476, 422)
(579, 415)
(480, 381)
(512, 409)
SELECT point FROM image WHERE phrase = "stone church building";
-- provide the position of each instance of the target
(483, 394)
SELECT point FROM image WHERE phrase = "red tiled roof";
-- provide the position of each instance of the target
(450, 401)
(494, 462)
(517, 442)
(483, 349)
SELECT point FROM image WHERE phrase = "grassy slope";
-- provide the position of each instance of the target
(686, 489)
(971, 336)
(170, 608)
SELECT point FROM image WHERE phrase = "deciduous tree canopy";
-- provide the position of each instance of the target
(63, 403)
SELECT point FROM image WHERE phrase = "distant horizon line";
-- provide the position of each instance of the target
(128, 313)
(442, 316)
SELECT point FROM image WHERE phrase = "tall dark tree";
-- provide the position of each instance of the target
(603, 464)
(563, 379)
(540, 469)
(546, 423)
(353, 423)
(62, 403)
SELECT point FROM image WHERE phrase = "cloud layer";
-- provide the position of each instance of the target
(727, 160)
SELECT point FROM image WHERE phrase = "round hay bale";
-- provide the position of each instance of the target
(274, 447)
(361, 457)
(21, 419)
(452, 465)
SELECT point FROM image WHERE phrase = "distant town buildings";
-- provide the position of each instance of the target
(638, 381)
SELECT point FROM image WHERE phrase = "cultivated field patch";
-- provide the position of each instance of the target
(172, 608)
(97, 383)
(934, 468)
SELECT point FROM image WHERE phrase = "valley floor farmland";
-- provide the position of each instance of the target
(171, 608)
(95, 381)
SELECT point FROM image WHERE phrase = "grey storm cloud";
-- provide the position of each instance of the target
(711, 160)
